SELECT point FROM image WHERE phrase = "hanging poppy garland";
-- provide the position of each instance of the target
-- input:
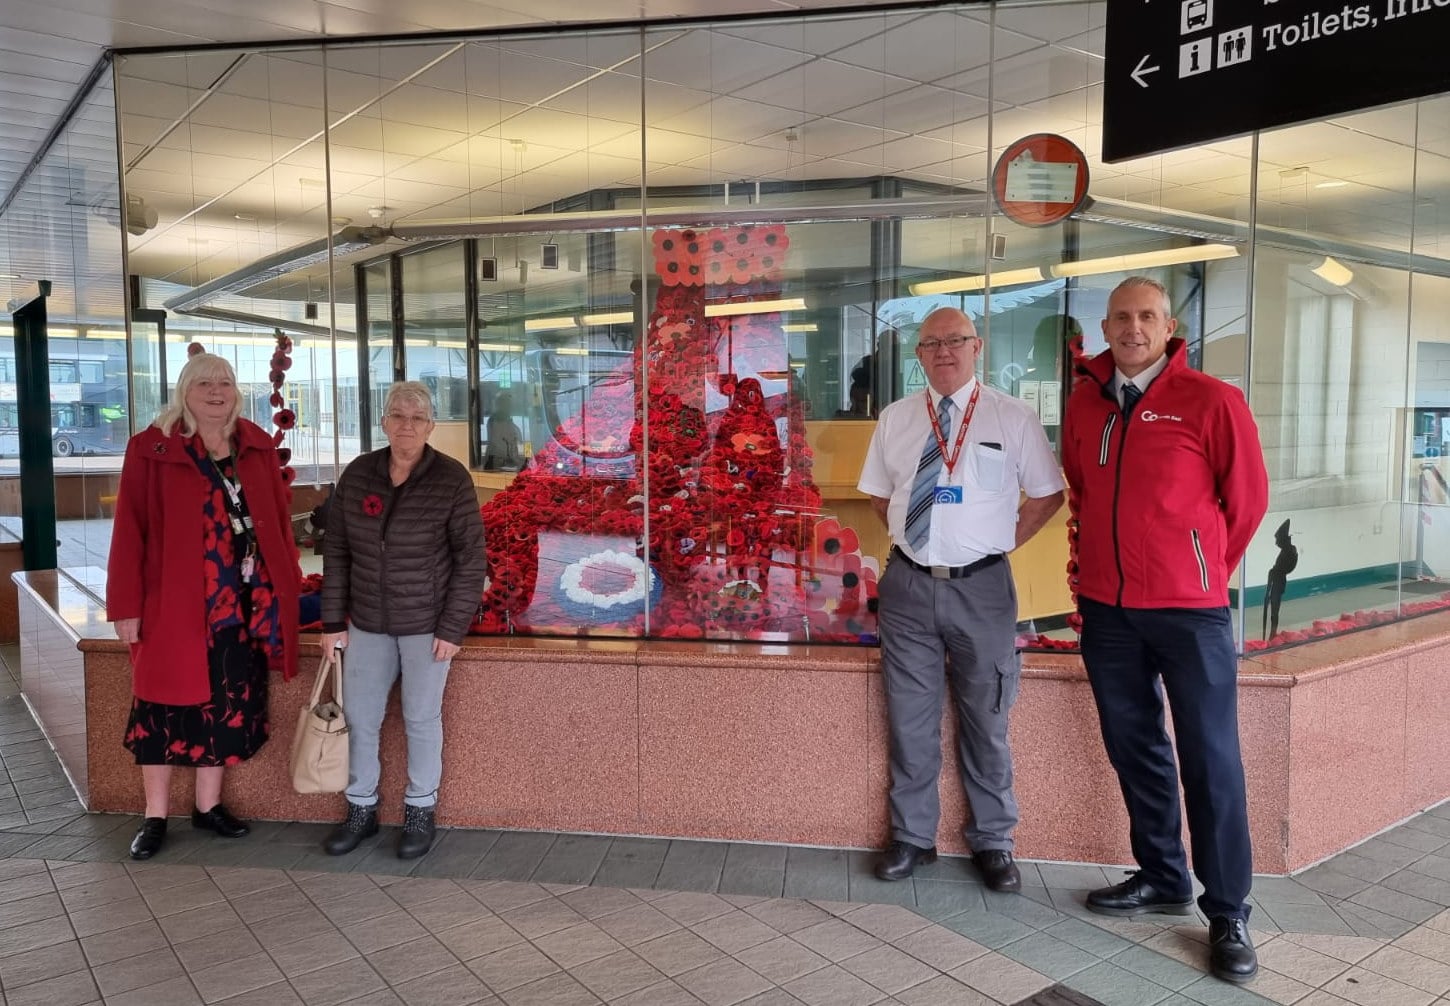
(722, 543)
(284, 418)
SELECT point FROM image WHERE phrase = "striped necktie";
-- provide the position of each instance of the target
(1131, 394)
(923, 489)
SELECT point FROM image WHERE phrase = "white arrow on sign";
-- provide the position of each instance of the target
(1143, 70)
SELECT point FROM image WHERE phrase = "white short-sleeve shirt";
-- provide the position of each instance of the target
(1005, 452)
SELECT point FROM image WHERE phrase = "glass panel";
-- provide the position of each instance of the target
(1343, 542)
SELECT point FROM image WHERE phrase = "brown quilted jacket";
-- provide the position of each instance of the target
(405, 560)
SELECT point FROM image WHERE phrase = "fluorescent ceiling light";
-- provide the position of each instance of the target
(550, 324)
(500, 347)
(1010, 277)
(730, 309)
(1330, 185)
(572, 351)
(1145, 260)
(451, 344)
(106, 333)
(808, 326)
(1331, 270)
(611, 318)
(59, 333)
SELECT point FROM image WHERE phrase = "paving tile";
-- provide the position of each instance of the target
(1410, 968)
(1427, 942)
(886, 922)
(73, 989)
(513, 855)
(383, 931)
(1420, 885)
(1051, 956)
(943, 991)
(1300, 962)
(577, 945)
(987, 928)
(482, 936)
(760, 883)
(734, 931)
(116, 944)
(317, 950)
(665, 993)
(173, 992)
(512, 967)
(1305, 919)
(1111, 984)
(628, 872)
(834, 986)
(938, 900)
(541, 918)
(781, 960)
(636, 925)
(887, 969)
(787, 916)
(503, 895)
(235, 977)
(35, 935)
(1368, 988)
(677, 952)
(216, 948)
(137, 972)
(37, 965)
(25, 886)
(453, 986)
(18, 913)
(835, 939)
(723, 982)
(594, 902)
(341, 983)
(616, 975)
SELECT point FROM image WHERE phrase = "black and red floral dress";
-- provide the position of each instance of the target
(244, 636)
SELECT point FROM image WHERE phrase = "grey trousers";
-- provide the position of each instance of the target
(373, 663)
(973, 621)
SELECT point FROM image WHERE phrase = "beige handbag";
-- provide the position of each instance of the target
(319, 748)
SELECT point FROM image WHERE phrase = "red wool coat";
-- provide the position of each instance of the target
(155, 572)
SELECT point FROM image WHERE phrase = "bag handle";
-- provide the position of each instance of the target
(336, 665)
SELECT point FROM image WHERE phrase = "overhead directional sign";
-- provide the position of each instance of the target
(1180, 72)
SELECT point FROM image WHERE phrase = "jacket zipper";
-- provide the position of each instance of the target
(1198, 555)
(391, 509)
(1117, 492)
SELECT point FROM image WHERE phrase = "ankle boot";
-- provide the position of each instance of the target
(361, 822)
(418, 831)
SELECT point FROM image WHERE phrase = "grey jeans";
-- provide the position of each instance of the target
(374, 661)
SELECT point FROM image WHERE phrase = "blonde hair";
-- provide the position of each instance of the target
(201, 367)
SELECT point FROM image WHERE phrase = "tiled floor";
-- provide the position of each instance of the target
(523, 918)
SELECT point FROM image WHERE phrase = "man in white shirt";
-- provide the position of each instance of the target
(946, 472)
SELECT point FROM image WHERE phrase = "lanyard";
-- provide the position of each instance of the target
(241, 520)
(949, 461)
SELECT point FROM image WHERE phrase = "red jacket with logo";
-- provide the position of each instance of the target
(1166, 502)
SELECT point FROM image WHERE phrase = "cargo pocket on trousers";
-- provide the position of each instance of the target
(1009, 677)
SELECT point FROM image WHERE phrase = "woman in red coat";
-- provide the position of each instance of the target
(202, 583)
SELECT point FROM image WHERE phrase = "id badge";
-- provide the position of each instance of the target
(249, 566)
(947, 494)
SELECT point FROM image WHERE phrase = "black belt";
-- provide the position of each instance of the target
(948, 572)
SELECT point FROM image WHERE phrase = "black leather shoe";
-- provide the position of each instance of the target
(900, 859)
(998, 870)
(1135, 896)
(219, 820)
(418, 832)
(361, 822)
(149, 838)
(1231, 953)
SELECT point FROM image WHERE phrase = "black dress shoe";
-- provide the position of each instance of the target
(900, 859)
(219, 820)
(149, 838)
(998, 870)
(1135, 896)
(418, 832)
(1230, 951)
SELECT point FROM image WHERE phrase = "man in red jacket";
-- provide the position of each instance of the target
(1167, 485)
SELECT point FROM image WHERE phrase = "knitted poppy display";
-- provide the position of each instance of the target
(679, 495)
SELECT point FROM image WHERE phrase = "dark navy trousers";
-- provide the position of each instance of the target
(1132, 656)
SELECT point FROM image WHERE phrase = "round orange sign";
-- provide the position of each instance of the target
(1040, 180)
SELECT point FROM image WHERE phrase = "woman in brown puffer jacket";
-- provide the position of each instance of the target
(403, 570)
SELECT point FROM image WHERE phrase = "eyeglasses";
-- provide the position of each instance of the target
(955, 342)
(400, 420)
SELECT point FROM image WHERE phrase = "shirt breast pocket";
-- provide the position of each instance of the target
(989, 464)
